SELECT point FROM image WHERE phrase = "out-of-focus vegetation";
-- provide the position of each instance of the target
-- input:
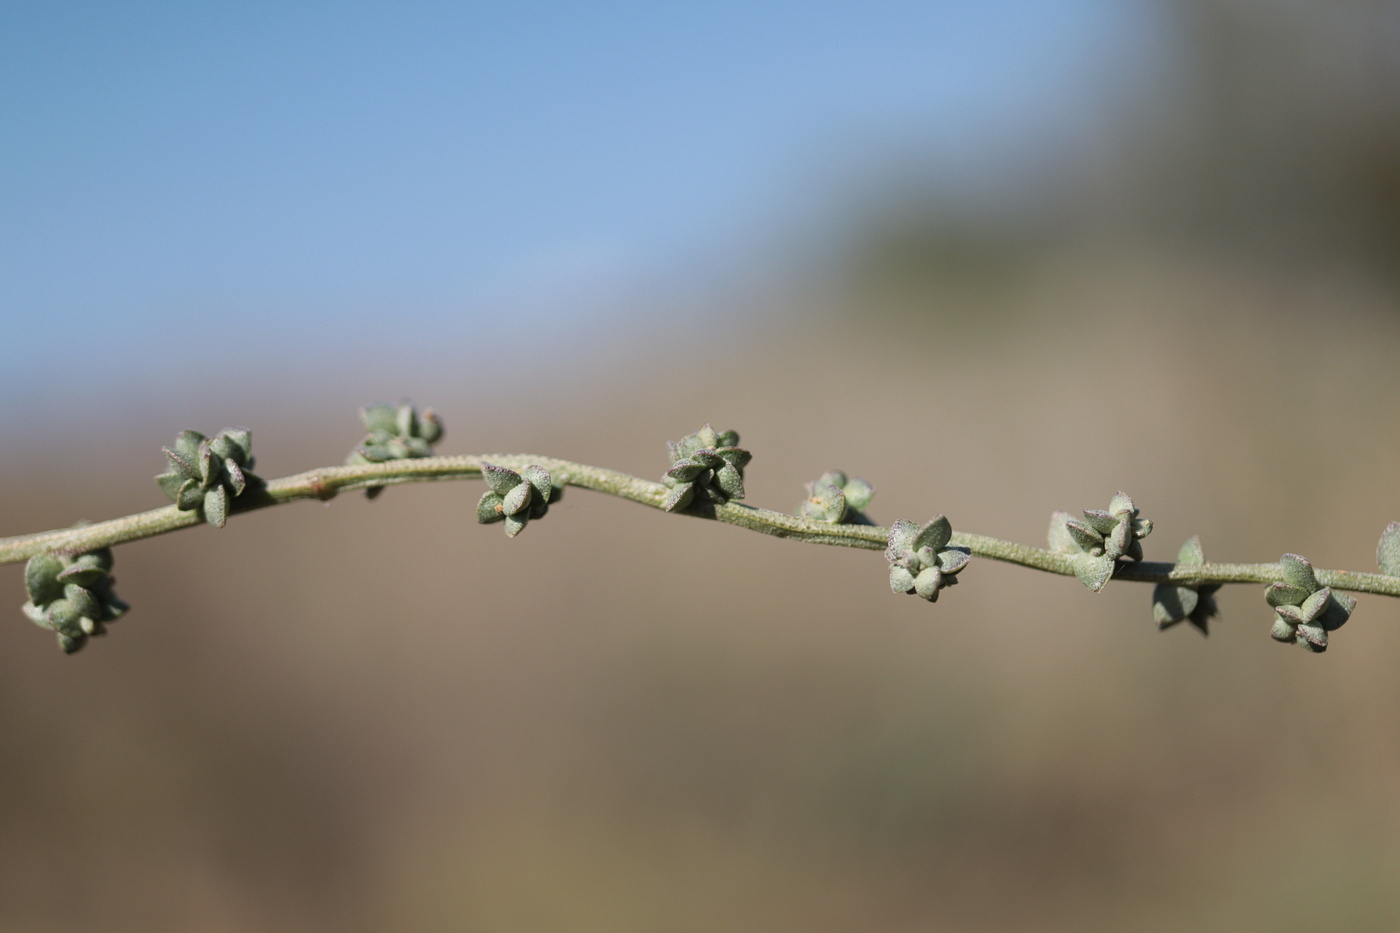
(381, 716)
(1269, 137)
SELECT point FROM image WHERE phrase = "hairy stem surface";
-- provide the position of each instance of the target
(325, 483)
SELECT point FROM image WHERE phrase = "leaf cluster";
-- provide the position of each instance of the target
(206, 473)
(1304, 610)
(72, 595)
(706, 466)
(921, 559)
(515, 498)
(837, 499)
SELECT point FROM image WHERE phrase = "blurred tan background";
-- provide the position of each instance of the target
(381, 716)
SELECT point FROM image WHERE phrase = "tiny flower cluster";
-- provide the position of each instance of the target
(207, 473)
(395, 433)
(1304, 610)
(72, 595)
(1099, 541)
(836, 499)
(515, 498)
(705, 467)
(921, 560)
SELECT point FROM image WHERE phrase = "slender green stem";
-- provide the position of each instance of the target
(326, 482)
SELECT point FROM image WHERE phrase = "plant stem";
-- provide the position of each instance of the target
(326, 482)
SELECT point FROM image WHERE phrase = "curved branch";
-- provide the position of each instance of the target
(326, 482)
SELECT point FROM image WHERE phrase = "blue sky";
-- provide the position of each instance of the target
(304, 168)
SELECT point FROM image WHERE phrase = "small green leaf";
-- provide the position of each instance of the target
(64, 617)
(858, 493)
(170, 484)
(927, 582)
(41, 578)
(935, 534)
(678, 498)
(82, 576)
(237, 481)
(242, 441)
(824, 503)
(902, 535)
(208, 466)
(1058, 537)
(687, 470)
(430, 426)
(181, 464)
(379, 418)
(190, 496)
(1084, 537)
(490, 508)
(1285, 594)
(1116, 544)
(901, 580)
(101, 558)
(1093, 572)
(83, 602)
(187, 445)
(708, 458)
(501, 479)
(1312, 636)
(1191, 554)
(735, 456)
(1298, 571)
(953, 560)
(216, 506)
(1312, 606)
(1134, 550)
(1122, 503)
(730, 480)
(223, 447)
(1171, 603)
(538, 478)
(518, 498)
(406, 421)
(1282, 630)
(1388, 551)
(114, 608)
(1102, 522)
(1337, 611)
(516, 524)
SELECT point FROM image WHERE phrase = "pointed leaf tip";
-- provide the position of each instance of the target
(1191, 553)
(1298, 571)
(501, 479)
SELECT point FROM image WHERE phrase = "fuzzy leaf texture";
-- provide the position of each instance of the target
(72, 596)
(1388, 551)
